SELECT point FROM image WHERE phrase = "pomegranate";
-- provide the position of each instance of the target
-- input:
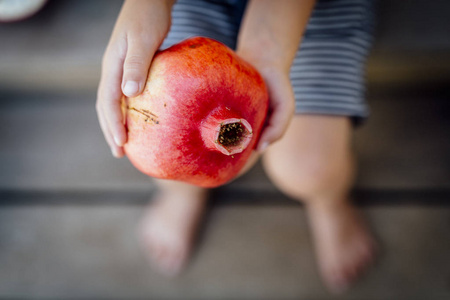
(199, 116)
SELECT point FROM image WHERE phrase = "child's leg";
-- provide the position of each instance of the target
(171, 222)
(313, 163)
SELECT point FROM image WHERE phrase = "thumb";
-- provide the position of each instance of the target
(136, 65)
(282, 107)
(277, 126)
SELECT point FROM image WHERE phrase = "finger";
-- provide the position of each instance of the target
(283, 109)
(116, 150)
(139, 55)
(115, 120)
(278, 124)
(109, 96)
(103, 124)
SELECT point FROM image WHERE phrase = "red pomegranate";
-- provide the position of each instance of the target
(200, 114)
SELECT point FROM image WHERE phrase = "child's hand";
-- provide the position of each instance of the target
(269, 38)
(282, 101)
(281, 107)
(139, 31)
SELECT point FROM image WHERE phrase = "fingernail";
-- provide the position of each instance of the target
(114, 152)
(263, 147)
(131, 88)
(118, 141)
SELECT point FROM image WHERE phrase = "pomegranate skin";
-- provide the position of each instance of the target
(176, 126)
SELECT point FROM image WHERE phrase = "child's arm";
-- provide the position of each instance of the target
(269, 38)
(139, 31)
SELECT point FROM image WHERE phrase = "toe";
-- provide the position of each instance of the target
(367, 254)
(172, 263)
(338, 282)
(173, 266)
(158, 253)
(164, 264)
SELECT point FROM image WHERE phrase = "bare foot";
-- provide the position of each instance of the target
(344, 246)
(169, 227)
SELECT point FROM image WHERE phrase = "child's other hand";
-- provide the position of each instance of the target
(269, 38)
(281, 97)
(281, 106)
(139, 31)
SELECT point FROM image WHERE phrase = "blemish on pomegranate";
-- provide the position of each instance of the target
(193, 46)
(149, 116)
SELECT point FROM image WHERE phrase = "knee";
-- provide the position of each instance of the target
(304, 175)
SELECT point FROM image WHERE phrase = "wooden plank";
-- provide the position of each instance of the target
(251, 252)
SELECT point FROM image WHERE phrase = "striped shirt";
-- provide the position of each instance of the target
(328, 72)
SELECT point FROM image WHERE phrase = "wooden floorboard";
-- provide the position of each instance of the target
(225, 196)
(244, 252)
